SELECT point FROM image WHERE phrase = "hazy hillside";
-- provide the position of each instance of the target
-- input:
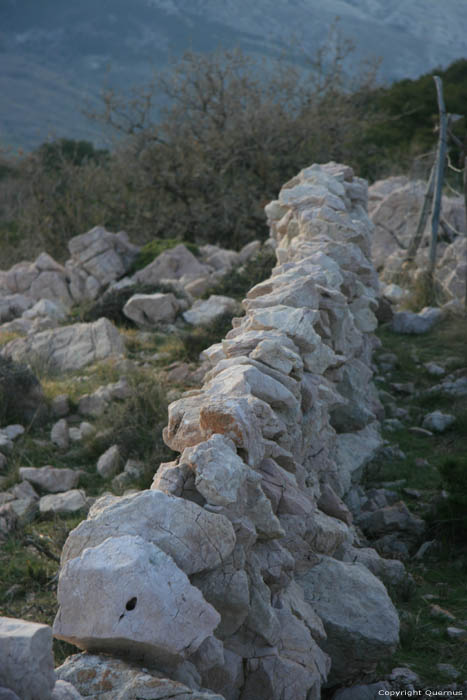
(54, 53)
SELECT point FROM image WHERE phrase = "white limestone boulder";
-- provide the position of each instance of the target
(13, 305)
(109, 463)
(59, 434)
(102, 255)
(69, 347)
(26, 666)
(415, 324)
(438, 422)
(138, 603)
(353, 452)
(151, 310)
(361, 623)
(175, 263)
(66, 503)
(205, 311)
(51, 479)
(221, 474)
(193, 537)
(42, 279)
(47, 308)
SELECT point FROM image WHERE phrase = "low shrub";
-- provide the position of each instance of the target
(21, 397)
(238, 282)
(135, 424)
(451, 513)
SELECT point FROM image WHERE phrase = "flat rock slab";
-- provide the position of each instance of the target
(26, 659)
(69, 347)
(138, 602)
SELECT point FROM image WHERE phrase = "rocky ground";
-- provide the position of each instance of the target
(87, 419)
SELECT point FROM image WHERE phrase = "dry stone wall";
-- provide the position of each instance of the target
(239, 571)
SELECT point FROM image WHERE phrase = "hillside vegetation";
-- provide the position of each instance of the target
(233, 130)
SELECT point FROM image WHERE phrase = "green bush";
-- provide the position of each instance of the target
(238, 282)
(21, 397)
(451, 513)
(135, 424)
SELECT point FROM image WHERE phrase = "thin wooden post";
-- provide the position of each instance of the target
(422, 219)
(439, 171)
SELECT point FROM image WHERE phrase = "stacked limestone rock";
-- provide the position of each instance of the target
(232, 573)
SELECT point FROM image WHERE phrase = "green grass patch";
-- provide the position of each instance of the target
(446, 341)
(29, 573)
(76, 384)
(423, 638)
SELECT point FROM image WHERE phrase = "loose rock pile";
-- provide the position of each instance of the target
(394, 207)
(236, 572)
(36, 296)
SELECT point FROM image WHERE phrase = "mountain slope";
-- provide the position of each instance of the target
(53, 53)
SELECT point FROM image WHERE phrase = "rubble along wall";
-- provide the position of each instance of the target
(233, 569)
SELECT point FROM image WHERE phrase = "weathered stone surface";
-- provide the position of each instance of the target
(26, 659)
(354, 451)
(6, 694)
(70, 347)
(13, 305)
(266, 457)
(220, 473)
(396, 518)
(172, 264)
(109, 463)
(195, 538)
(330, 503)
(60, 406)
(65, 691)
(53, 310)
(361, 623)
(152, 310)
(105, 678)
(50, 479)
(66, 503)
(205, 311)
(415, 324)
(437, 421)
(451, 269)
(59, 434)
(151, 610)
(390, 571)
(102, 255)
